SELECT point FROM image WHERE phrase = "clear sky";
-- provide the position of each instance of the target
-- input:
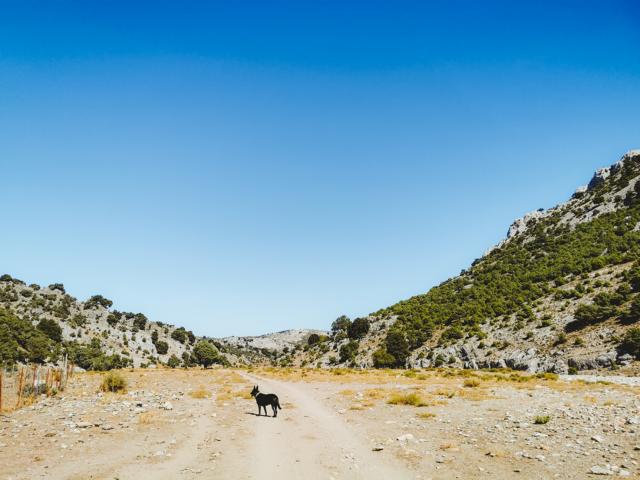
(268, 165)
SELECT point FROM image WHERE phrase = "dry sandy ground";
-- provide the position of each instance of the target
(202, 424)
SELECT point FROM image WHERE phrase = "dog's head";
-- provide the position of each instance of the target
(254, 392)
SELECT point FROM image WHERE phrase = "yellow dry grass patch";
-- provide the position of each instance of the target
(375, 393)
(414, 399)
(471, 383)
(445, 393)
(148, 418)
(200, 393)
(426, 415)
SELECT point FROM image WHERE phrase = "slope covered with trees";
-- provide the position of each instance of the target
(541, 300)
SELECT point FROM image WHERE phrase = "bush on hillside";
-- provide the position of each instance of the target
(51, 329)
(21, 342)
(631, 343)
(358, 328)
(161, 347)
(140, 321)
(383, 359)
(92, 357)
(173, 362)
(397, 347)
(57, 286)
(340, 324)
(98, 300)
(348, 351)
(206, 354)
(180, 335)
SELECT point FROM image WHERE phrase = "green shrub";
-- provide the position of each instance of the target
(180, 335)
(340, 324)
(358, 328)
(206, 354)
(631, 343)
(542, 419)
(78, 321)
(348, 351)
(98, 300)
(21, 342)
(51, 329)
(113, 319)
(57, 286)
(92, 357)
(140, 321)
(173, 362)
(113, 382)
(383, 359)
(161, 347)
(313, 339)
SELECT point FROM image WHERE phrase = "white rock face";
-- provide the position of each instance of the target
(521, 224)
(273, 341)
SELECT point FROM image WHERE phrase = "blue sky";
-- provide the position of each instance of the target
(249, 168)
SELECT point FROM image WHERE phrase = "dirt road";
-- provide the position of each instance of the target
(207, 439)
(202, 424)
(311, 441)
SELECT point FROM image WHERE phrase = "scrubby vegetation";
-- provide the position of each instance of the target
(206, 354)
(92, 357)
(113, 382)
(20, 341)
(413, 399)
(631, 343)
(508, 281)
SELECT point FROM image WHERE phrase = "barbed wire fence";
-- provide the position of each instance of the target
(20, 385)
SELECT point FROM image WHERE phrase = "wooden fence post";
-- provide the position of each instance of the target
(47, 390)
(35, 381)
(20, 387)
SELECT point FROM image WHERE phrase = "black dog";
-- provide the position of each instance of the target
(266, 399)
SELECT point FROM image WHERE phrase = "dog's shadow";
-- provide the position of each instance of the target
(256, 415)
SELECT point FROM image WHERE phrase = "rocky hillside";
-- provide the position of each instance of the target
(42, 324)
(267, 348)
(559, 294)
(45, 323)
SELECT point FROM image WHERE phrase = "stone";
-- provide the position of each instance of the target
(601, 470)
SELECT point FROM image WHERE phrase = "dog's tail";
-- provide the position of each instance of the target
(278, 405)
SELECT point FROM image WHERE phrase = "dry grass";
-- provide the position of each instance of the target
(471, 383)
(200, 393)
(147, 418)
(475, 394)
(414, 399)
(449, 446)
(426, 415)
(445, 393)
(375, 393)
